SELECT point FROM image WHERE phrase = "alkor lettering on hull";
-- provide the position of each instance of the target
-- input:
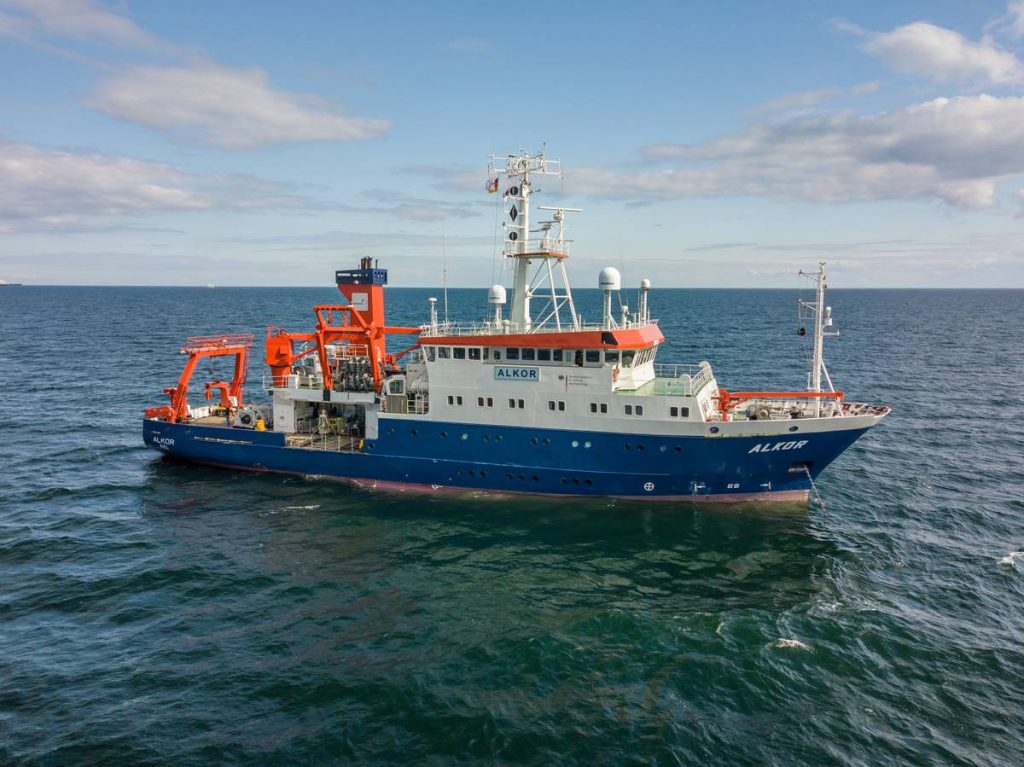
(502, 373)
(768, 447)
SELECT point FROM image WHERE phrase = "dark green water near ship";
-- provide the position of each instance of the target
(153, 612)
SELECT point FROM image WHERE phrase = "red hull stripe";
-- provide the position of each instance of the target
(634, 338)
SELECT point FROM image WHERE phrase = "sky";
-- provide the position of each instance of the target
(709, 144)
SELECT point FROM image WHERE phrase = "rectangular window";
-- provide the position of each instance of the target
(543, 355)
(627, 358)
(443, 352)
(629, 409)
(511, 354)
(451, 400)
(479, 401)
(673, 411)
(593, 407)
(490, 402)
(551, 404)
(639, 409)
(521, 404)
(474, 353)
(497, 354)
(684, 412)
(529, 354)
(612, 357)
(511, 402)
(430, 354)
(593, 355)
(556, 355)
(458, 400)
(604, 407)
(561, 405)
(487, 353)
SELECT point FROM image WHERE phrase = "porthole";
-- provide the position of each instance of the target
(483, 473)
(628, 447)
(472, 473)
(464, 436)
(587, 444)
(458, 473)
(677, 449)
(640, 448)
(590, 482)
(533, 440)
(536, 478)
(713, 430)
(497, 438)
(444, 434)
(521, 478)
(485, 438)
(663, 448)
(575, 443)
(794, 428)
(562, 480)
(510, 476)
(575, 481)
(547, 441)
(413, 432)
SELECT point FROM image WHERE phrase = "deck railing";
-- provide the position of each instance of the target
(443, 329)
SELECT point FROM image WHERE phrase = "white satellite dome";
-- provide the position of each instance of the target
(610, 279)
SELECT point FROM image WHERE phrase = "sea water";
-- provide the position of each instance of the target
(153, 612)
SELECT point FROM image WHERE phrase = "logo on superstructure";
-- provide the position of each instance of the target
(502, 373)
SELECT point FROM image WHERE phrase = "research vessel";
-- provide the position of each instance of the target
(529, 399)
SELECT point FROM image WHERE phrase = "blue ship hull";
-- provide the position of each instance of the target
(438, 455)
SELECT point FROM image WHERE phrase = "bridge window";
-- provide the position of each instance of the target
(486, 353)
(497, 354)
(556, 355)
(459, 353)
(443, 352)
(529, 354)
(612, 357)
(544, 355)
(627, 358)
(430, 354)
(458, 400)
(474, 353)
(639, 409)
(593, 355)
(561, 405)
(511, 354)
(628, 409)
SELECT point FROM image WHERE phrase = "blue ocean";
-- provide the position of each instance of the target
(158, 613)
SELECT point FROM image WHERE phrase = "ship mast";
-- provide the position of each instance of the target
(822, 319)
(550, 250)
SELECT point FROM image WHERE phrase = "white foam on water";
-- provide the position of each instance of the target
(1010, 560)
(791, 644)
(302, 508)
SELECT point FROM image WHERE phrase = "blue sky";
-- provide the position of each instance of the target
(708, 143)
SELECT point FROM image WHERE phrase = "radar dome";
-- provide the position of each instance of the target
(496, 295)
(645, 284)
(610, 279)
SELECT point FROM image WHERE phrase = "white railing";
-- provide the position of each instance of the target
(293, 381)
(508, 328)
(686, 380)
(541, 246)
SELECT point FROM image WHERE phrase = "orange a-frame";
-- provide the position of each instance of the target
(198, 347)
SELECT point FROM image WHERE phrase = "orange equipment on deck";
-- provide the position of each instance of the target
(361, 325)
(198, 347)
(728, 400)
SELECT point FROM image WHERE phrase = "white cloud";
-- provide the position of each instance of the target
(941, 54)
(955, 150)
(82, 20)
(69, 190)
(225, 107)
